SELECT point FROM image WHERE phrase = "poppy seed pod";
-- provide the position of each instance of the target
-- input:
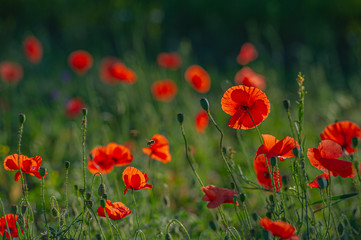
(22, 118)
(205, 104)
(286, 104)
(101, 189)
(180, 118)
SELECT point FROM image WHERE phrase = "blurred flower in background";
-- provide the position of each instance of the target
(11, 72)
(80, 61)
(198, 78)
(113, 71)
(246, 76)
(201, 121)
(33, 49)
(73, 107)
(247, 54)
(169, 60)
(164, 90)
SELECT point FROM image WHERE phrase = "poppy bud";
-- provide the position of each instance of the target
(76, 187)
(42, 171)
(88, 195)
(205, 104)
(81, 191)
(23, 209)
(105, 196)
(232, 185)
(54, 212)
(213, 225)
(102, 203)
(242, 197)
(180, 118)
(67, 164)
(224, 150)
(322, 182)
(22, 119)
(14, 209)
(101, 189)
(354, 142)
(90, 203)
(167, 237)
(273, 161)
(98, 236)
(296, 152)
(254, 216)
(84, 111)
(286, 104)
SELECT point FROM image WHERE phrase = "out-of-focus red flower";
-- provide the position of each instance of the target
(278, 228)
(342, 133)
(164, 90)
(247, 54)
(113, 71)
(246, 76)
(159, 149)
(201, 121)
(10, 219)
(135, 179)
(28, 165)
(238, 99)
(325, 158)
(275, 148)
(115, 210)
(80, 61)
(33, 49)
(216, 196)
(262, 173)
(74, 107)
(103, 158)
(198, 78)
(11, 72)
(315, 183)
(169, 60)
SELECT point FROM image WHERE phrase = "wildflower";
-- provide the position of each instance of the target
(342, 133)
(164, 90)
(315, 183)
(278, 228)
(105, 72)
(74, 107)
(216, 196)
(247, 54)
(274, 148)
(325, 158)
(198, 78)
(115, 210)
(33, 49)
(10, 72)
(169, 60)
(159, 150)
(28, 165)
(80, 61)
(263, 176)
(135, 179)
(237, 100)
(202, 121)
(120, 154)
(10, 219)
(246, 76)
(113, 71)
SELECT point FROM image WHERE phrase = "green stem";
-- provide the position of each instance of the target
(135, 209)
(224, 220)
(44, 209)
(180, 224)
(6, 221)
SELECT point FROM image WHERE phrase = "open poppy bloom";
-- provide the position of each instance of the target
(216, 196)
(74, 107)
(237, 100)
(80, 61)
(202, 121)
(278, 228)
(315, 183)
(246, 76)
(342, 133)
(103, 159)
(113, 71)
(10, 219)
(198, 78)
(159, 149)
(164, 90)
(135, 179)
(325, 158)
(263, 175)
(33, 49)
(169, 60)
(115, 210)
(274, 148)
(11, 72)
(247, 54)
(28, 165)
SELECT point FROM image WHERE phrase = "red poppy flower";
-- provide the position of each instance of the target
(33, 49)
(275, 148)
(10, 219)
(164, 90)
(28, 165)
(247, 54)
(278, 228)
(216, 196)
(159, 150)
(135, 179)
(238, 99)
(113, 71)
(11, 72)
(115, 210)
(169, 60)
(80, 61)
(246, 76)
(325, 158)
(342, 133)
(198, 78)
(74, 107)
(315, 183)
(103, 159)
(202, 121)
(263, 176)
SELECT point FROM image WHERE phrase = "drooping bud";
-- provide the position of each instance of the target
(205, 104)
(89, 203)
(88, 195)
(273, 161)
(67, 164)
(180, 118)
(81, 191)
(286, 104)
(101, 189)
(22, 119)
(242, 197)
(54, 212)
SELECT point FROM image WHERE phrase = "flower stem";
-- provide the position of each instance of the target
(135, 209)
(44, 209)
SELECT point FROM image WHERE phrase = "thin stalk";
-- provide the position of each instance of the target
(180, 224)
(224, 220)
(44, 209)
(21, 126)
(6, 221)
(84, 123)
(97, 220)
(135, 209)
